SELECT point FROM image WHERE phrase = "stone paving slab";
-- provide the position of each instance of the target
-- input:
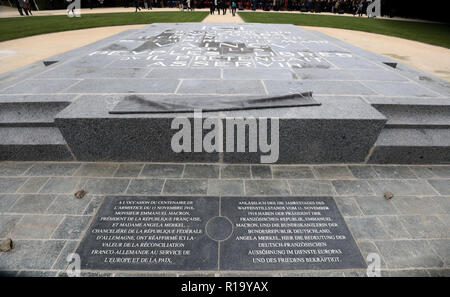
(410, 232)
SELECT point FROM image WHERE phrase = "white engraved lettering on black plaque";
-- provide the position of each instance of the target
(151, 233)
(287, 233)
(226, 233)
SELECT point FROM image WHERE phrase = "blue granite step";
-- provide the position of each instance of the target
(29, 113)
(416, 116)
(409, 146)
(33, 143)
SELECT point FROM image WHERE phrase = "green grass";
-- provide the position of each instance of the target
(12, 28)
(436, 34)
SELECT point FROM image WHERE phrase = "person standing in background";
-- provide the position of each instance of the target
(27, 7)
(336, 7)
(224, 7)
(19, 7)
(233, 7)
(360, 8)
(136, 3)
(212, 7)
(217, 4)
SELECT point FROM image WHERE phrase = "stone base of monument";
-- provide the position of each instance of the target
(339, 130)
(369, 112)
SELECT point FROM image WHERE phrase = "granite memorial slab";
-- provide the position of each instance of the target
(218, 233)
(116, 83)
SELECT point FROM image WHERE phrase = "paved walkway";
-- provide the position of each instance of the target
(227, 18)
(23, 51)
(426, 57)
(411, 232)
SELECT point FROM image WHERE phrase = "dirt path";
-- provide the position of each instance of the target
(20, 52)
(426, 57)
(227, 18)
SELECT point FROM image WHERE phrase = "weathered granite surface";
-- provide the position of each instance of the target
(366, 104)
(410, 232)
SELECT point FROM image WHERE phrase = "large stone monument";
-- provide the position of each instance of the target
(363, 107)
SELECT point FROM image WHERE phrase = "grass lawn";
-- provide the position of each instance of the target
(12, 28)
(436, 34)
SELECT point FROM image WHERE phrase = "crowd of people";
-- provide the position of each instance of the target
(334, 6)
(24, 6)
(317, 6)
(355, 7)
(147, 4)
(223, 5)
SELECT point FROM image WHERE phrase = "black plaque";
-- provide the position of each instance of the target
(219, 233)
(284, 233)
(151, 233)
